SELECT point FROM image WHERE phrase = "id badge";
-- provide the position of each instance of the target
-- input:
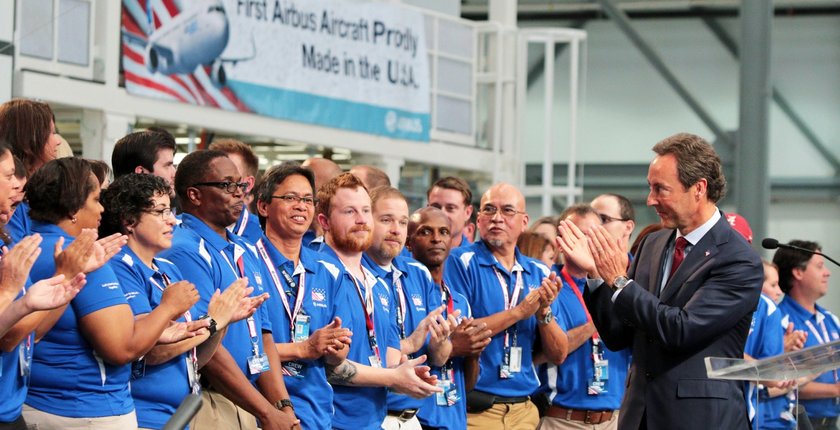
(515, 359)
(595, 388)
(25, 362)
(192, 376)
(294, 369)
(301, 328)
(504, 369)
(602, 370)
(258, 364)
(452, 395)
(441, 397)
(374, 361)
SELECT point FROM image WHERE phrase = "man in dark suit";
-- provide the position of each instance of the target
(689, 294)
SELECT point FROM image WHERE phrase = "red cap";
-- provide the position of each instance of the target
(740, 225)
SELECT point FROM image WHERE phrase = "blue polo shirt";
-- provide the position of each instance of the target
(20, 225)
(421, 296)
(363, 408)
(323, 300)
(209, 261)
(247, 227)
(448, 417)
(471, 271)
(67, 378)
(13, 385)
(822, 327)
(568, 383)
(157, 389)
(766, 339)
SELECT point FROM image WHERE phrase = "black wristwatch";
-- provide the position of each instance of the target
(282, 403)
(212, 327)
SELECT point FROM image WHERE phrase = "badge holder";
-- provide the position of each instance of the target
(301, 330)
(449, 396)
(600, 366)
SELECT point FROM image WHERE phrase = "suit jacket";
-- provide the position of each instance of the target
(704, 311)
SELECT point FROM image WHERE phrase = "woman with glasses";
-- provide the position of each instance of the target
(80, 368)
(138, 206)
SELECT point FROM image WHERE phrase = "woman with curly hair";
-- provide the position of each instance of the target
(138, 206)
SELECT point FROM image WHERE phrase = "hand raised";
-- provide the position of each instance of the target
(610, 258)
(470, 338)
(53, 292)
(573, 243)
(179, 297)
(16, 263)
(332, 335)
(415, 380)
(74, 259)
(223, 306)
(104, 249)
(178, 331)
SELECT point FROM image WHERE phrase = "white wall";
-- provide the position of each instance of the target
(7, 8)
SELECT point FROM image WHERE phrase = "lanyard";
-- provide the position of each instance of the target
(401, 305)
(573, 285)
(821, 339)
(366, 300)
(447, 298)
(193, 357)
(244, 222)
(252, 325)
(510, 300)
(298, 290)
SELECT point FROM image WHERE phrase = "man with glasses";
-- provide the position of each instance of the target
(244, 376)
(617, 216)
(513, 295)
(246, 161)
(309, 308)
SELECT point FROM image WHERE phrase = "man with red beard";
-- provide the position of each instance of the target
(415, 310)
(345, 215)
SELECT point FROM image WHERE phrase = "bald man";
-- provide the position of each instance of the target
(324, 170)
(514, 295)
(372, 177)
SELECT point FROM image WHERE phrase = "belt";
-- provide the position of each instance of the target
(824, 421)
(500, 399)
(403, 415)
(588, 417)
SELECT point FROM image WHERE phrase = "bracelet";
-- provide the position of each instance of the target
(282, 403)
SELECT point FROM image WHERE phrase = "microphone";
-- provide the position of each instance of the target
(770, 243)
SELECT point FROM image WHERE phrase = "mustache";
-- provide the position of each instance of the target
(395, 238)
(360, 228)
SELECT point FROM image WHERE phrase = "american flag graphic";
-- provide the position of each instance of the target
(140, 18)
(318, 295)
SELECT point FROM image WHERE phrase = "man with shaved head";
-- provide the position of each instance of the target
(324, 169)
(514, 295)
(372, 177)
(429, 234)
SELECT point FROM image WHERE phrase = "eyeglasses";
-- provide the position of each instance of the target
(163, 213)
(291, 199)
(606, 219)
(507, 211)
(228, 186)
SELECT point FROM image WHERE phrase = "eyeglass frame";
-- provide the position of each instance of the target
(162, 213)
(295, 199)
(606, 219)
(511, 211)
(223, 185)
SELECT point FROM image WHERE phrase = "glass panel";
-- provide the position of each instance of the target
(806, 362)
(36, 28)
(73, 33)
(453, 115)
(454, 77)
(458, 38)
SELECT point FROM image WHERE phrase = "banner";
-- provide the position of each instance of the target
(349, 65)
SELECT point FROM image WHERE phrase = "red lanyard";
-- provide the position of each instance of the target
(447, 298)
(366, 300)
(573, 285)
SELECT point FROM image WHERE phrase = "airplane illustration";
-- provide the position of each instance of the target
(195, 37)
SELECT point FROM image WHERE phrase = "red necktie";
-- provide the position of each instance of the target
(679, 255)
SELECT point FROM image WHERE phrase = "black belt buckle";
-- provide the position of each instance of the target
(404, 415)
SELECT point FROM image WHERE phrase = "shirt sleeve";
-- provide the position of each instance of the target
(135, 289)
(198, 271)
(102, 290)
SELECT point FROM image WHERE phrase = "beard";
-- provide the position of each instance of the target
(347, 243)
(385, 252)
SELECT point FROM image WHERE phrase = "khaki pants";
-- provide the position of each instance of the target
(394, 423)
(506, 416)
(217, 412)
(550, 423)
(40, 420)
